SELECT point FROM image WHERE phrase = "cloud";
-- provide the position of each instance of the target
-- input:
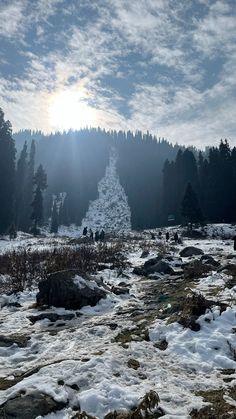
(166, 66)
(11, 18)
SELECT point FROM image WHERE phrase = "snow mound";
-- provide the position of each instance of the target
(110, 211)
(204, 350)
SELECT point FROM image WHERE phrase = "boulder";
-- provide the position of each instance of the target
(119, 290)
(15, 339)
(209, 260)
(196, 269)
(52, 317)
(152, 261)
(191, 251)
(161, 267)
(69, 289)
(30, 406)
(154, 265)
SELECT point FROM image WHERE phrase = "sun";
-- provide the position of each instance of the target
(67, 110)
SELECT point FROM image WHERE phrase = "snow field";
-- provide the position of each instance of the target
(84, 351)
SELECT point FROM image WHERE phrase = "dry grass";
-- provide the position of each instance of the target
(26, 268)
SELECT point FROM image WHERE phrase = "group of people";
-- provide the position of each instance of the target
(98, 235)
(167, 236)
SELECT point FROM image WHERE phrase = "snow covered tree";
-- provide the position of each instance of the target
(190, 207)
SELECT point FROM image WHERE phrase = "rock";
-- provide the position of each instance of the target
(20, 340)
(230, 269)
(53, 317)
(144, 254)
(152, 261)
(154, 265)
(113, 326)
(162, 345)
(196, 269)
(161, 267)
(139, 271)
(61, 290)
(133, 363)
(29, 407)
(119, 290)
(209, 260)
(190, 251)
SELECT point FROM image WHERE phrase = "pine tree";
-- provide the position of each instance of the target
(29, 190)
(21, 173)
(54, 220)
(190, 207)
(40, 181)
(7, 174)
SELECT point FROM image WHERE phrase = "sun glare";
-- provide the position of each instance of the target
(68, 111)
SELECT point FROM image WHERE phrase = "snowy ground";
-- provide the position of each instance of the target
(86, 361)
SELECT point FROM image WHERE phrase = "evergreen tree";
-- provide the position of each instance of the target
(54, 220)
(7, 174)
(190, 207)
(29, 190)
(40, 181)
(64, 213)
(21, 173)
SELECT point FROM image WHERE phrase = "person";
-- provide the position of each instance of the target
(234, 239)
(160, 234)
(102, 235)
(167, 236)
(96, 236)
(176, 237)
(153, 236)
(91, 234)
(85, 231)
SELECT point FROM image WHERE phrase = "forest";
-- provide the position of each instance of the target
(38, 170)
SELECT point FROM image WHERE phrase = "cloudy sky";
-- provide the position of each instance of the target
(166, 66)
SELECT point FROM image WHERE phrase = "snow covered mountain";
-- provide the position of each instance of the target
(110, 211)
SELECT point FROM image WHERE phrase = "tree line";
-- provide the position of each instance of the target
(209, 176)
(21, 186)
(164, 183)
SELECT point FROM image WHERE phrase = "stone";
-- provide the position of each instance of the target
(19, 340)
(133, 363)
(152, 261)
(30, 406)
(161, 267)
(119, 290)
(154, 265)
(191, 251)
(53, 317)
(61, 290)
(209, 260)
(196, 269)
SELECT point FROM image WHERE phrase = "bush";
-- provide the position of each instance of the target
(26, 268)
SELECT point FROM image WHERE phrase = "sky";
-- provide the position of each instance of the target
(163, 66)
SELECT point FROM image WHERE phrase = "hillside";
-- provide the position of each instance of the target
(76, 161)
(166, 326)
